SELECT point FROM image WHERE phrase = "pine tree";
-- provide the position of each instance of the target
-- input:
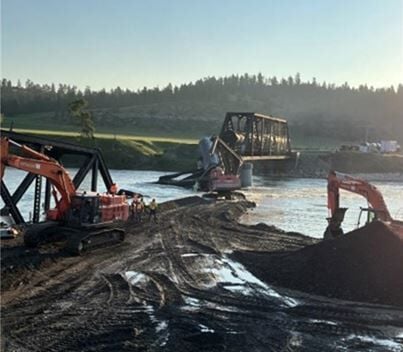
(84, 117)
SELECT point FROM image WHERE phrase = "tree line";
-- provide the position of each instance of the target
(316, 108)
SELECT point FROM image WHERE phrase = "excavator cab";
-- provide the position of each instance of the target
(368, 214)
(371, 215)
(84, 211)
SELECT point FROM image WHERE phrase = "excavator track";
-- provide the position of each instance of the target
(83, 241)
(40, 233)
(78, 240)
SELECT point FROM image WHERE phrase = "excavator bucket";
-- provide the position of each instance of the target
(334, 229)
(338, 216)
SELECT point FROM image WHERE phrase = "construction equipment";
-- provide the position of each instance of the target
(225, 162)
(220, 164)
(376, 210)
(218, 169)
(85, 219)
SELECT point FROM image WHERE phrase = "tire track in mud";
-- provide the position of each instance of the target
(160, 291)
(83, 317)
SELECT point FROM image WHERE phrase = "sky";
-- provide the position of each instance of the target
(137, 43)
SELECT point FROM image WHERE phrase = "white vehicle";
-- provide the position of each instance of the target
(389, 146)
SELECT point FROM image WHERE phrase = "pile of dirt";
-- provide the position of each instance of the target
(364, 265)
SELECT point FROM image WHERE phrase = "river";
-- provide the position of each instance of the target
(291, 204)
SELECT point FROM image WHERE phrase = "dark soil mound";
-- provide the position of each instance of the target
(364, 265)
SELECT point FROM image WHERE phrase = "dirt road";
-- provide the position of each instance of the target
(173, 286)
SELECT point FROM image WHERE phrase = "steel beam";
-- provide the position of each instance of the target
(37, 199)
(83, 171)
(94, 178)
(106, 176)
(23, 186)
(11, 205)
(47, 195)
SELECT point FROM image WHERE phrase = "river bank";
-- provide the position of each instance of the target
(127, 152)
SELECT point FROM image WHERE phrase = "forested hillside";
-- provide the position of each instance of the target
(313, 109)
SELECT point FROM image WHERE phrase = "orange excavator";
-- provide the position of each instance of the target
(84, 219)
(376, 210)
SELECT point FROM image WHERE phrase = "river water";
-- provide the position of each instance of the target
(291, 204)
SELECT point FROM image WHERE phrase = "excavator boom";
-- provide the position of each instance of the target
(42, 165)
(337, 181)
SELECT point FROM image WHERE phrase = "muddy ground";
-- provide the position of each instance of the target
(174, 286)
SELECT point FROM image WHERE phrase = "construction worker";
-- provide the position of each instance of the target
(133, 208)
(113, 189)
(140, 209)
(153, 210)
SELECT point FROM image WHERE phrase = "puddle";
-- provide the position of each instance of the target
(186, 255)
(239, 289)
(204, 328)
(134, 277)
(191, 304)
(243, 274)
(236, 278)
(192, 301)
(318, 321)
(389, 344)
(161, 326)
(194, 304)
(294, 341)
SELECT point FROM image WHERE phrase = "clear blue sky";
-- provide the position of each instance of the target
(136, 43)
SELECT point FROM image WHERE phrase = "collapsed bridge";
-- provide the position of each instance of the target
(225, 162)
(257, 137)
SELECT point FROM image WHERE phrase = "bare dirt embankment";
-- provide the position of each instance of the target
(174, 286)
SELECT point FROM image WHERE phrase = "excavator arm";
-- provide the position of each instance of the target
(40, 164)
(337, 181)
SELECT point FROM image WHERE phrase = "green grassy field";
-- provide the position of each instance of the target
(114, 136)
(123, 151)
(143, 128)
(46, 124)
